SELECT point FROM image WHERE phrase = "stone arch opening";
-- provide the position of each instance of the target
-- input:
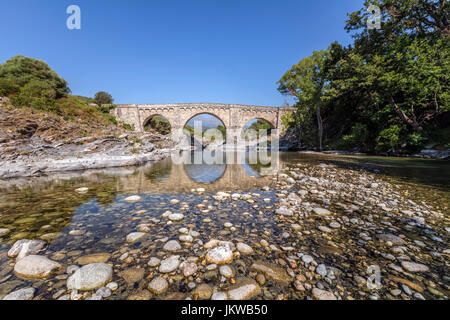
(251, 130)
(157, 123)
(199, 125)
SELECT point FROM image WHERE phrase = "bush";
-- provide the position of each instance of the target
(22, 70)
(103, 97)
(45, 104)
(8, 87)
(127, 126)
(159, 124)
(106, 109)
(388, 139)
(358, 137)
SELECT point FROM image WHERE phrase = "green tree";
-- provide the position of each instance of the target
(22, 70)
(306, 81)
(406, 63)
(103, 97)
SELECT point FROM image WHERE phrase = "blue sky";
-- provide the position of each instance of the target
(174, 51)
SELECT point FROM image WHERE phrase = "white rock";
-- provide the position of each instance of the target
(21, 294)
(135, 236)
(158, 285)
(226, 271)
(176, 216)
(166, 214)
(223, 194)
(90, 277)
(133, 198)
(186, 238)
(172, 245)
(25, 247)
(3, 232)
(82, 190)
(284, 211)
(219, 296)
(321, 211)
(113, 286)
(169, 265)
(219, 255)
(307, 259)
(321, 270)
(319, 294)
(154, 262)
(244, 289)
(335, 225)
(324, 229)
(188, 268)
(414, 267)
(244, 248)
(35, 267)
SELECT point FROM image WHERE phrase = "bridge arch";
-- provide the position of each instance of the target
(206, 113)
(146, 124)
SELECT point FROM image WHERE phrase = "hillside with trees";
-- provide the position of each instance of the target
(33, 87)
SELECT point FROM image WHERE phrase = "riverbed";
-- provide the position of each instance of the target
(310, 226)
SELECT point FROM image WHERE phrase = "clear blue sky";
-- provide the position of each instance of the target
(144, 51)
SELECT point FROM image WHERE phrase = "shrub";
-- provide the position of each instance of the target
(358, 137)
(22, 70)
(127, 126)
(103, 97)
(8, 87)
(388, 139)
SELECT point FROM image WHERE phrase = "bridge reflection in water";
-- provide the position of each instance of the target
(167, 176)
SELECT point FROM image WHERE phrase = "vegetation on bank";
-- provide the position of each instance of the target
(388, 92)
(159, 124)
(31, 83)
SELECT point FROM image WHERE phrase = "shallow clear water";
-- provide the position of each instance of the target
(49, 208)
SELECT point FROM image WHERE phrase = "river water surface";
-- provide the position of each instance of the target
(367, 197)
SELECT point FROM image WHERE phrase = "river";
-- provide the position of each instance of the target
(313, 226)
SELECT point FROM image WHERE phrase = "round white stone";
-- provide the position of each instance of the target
(133, 198)
(36, 267)
(90, 277)
(169, 265)
(135, 236)
(176, 216)
(219, 255)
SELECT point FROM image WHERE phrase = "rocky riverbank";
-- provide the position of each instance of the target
(318, 232)
(33, 143)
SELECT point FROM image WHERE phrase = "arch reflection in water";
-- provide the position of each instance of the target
(167, 176)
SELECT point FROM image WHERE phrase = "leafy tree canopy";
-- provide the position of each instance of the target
(23, 70)
(103, 97)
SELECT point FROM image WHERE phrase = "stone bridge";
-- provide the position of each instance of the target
(234, 117)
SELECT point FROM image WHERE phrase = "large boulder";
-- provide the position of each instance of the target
(21, 294)
(25, 247)
(35, 267)
(90, 277)
(219, 255)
